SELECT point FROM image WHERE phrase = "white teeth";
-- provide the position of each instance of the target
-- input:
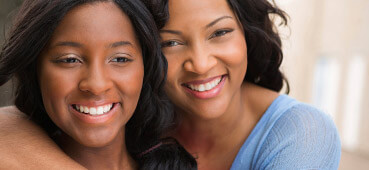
(100, 110)
(107, 108)
(214, 84)
(201, 87)
(206, 86)
(86, 109)
(94, 110)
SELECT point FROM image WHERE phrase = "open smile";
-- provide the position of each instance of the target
(207, 88)
(94, 111)
(95, 114)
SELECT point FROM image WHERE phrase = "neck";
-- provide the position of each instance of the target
(204, 135)
(206, 138)
(112, 156)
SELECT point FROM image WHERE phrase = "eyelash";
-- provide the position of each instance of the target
(220, 33)
(217, 33)
(73, 60)
(169, 43)
(121, 59)
(69, 60)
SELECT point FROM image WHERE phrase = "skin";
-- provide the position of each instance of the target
(83, 65)
(213, 44)
(21, 142)
(212, 129)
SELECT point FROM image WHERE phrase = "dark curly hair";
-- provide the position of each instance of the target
(264, 47)
(31, 31)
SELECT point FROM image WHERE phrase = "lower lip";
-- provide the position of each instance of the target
(207, 94)
(87, 118)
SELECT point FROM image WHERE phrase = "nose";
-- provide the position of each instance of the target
(96, 80)
(200, 60)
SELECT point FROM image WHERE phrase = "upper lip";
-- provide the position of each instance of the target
(93, 103)
(203, 81)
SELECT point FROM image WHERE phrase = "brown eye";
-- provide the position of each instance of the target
(70, 60)
(169, 44)
(220, 33)
(120, 60)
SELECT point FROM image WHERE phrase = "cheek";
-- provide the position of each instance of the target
(234, 52)
(55, 86)
(129, 83)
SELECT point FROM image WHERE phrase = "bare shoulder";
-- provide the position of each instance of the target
(11, 115)
(24, 145)
(13, 122)
(11, 111)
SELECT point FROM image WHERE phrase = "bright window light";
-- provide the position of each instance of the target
(352, 102)
(326, 85)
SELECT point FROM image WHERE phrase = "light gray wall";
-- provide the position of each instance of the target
(7, 10)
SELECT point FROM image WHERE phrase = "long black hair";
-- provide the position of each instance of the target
(33, 27)
(264, 47)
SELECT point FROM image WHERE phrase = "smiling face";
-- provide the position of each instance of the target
(207, 56)
(91, 73)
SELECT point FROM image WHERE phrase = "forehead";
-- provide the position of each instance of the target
(102, 21)
(194, 11)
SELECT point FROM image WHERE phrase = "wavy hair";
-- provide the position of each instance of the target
(33, 27)
(264, 46)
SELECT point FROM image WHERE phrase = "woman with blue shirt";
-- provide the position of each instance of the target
(224, 80)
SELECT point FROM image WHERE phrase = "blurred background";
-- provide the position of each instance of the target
(326, 47)
(6, 11)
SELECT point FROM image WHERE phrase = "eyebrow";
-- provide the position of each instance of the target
(207, 26)
(78, 45)
(217, 20)
(120, 43)
(69, 43)
(171, 32)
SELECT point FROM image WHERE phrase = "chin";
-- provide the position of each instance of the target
(97, 139)
(209, 112)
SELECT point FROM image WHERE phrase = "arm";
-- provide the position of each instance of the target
(24, 144)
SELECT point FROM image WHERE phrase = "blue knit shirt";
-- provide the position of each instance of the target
(290, 135)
